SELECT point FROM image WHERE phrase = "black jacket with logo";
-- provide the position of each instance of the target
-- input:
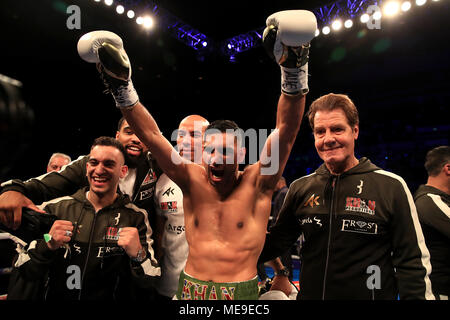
(104, 270)
(433, 208)
(73, 177)
(362, 236)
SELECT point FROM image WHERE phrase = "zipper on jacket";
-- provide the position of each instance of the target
(88, 252)
(333, 187)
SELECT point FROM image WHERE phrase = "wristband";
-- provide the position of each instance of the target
(126, 96)
(294, 80)
(47, 237)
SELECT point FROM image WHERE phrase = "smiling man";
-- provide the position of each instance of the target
(362, 236)
(104, 169)
(99, 240)
(135, 149)
(139, 183)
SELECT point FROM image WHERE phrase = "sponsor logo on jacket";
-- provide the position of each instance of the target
(109, 251)
(308, 220)
(112, 233)
(146, 193)
(169, 206)
(175, 229)
(312, 201)
(358, 226)
(169, 192)
(360, 205)
(149, 178)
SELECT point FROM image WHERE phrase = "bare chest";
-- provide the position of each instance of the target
(240, 213)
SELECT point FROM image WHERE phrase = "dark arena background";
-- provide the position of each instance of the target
(205, 57)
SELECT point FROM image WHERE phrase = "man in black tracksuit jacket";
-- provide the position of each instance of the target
(433, 207)
(362, 237)
(103, 264)
(95, 246)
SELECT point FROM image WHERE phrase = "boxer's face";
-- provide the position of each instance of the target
(334, 138)
(221, 158)
(104, 169)
(134, 147)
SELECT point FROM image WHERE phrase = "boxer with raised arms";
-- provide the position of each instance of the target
(226, 210)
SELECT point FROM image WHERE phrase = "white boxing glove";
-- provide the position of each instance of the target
(105, 48)
(286, 39)
(90, 42)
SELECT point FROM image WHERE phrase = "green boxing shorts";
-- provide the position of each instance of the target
(190, 288)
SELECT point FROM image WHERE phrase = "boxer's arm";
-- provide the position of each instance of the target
(279, 144)
(286, 39)
(146, 128)
(106, 50)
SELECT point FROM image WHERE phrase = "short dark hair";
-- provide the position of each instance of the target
(436, 159)
(110, 142)
(119, 125)
(223, 125)
(331, 102)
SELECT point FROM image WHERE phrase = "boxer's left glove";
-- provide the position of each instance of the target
(286, 39)
(106, 50)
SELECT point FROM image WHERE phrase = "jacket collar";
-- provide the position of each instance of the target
(120, 201)
(364, 166)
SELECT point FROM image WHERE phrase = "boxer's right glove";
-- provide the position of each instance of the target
(106, 50)
(286, 39)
